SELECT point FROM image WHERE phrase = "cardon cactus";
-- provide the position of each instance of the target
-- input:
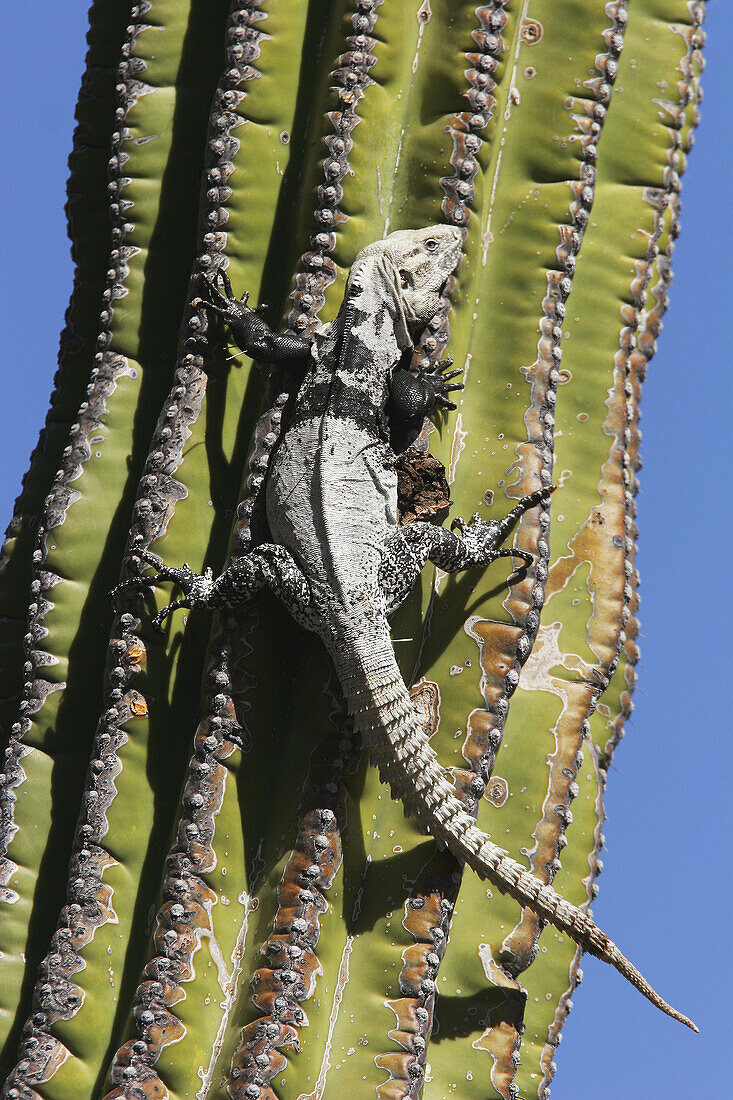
(184, 916)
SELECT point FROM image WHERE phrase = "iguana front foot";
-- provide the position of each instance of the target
(253, 335)
(481, 540)
(477, 543)
(435, 378)
(233, 311)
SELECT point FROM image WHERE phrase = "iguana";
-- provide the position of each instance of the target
(338, 560)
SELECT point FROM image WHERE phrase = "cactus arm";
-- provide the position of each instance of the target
(42, 793)
(87, 228)
(156, 46)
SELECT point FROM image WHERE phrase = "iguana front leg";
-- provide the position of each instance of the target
(269, 565)
(412, 397)
(252, 334)
(408, 549)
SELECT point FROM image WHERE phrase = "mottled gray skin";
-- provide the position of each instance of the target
(332, 488)
(341, 565)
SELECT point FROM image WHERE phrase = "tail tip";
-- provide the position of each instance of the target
(679, 1016)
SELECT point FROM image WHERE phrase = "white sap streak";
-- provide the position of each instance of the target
(513, 96)
(545, 655)
(424, 15)
(257, 864)
(356, 912)
(338, 995)
(396, 166)
(486, 235)
(217, 956)
(457, 448)
(399, 150)
(466, 368)
(423, 11)
(427, 623)
(230, 993)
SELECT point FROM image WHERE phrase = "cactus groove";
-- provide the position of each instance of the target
(205, 890)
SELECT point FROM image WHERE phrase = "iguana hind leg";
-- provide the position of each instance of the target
(478, 544)
(269, 565)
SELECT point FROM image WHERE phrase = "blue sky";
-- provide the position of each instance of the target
(665, 893)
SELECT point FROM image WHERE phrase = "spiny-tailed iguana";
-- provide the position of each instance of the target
(338, 560)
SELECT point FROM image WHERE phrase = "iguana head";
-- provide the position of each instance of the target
(418, 261)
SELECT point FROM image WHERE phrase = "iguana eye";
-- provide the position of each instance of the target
(431, 244)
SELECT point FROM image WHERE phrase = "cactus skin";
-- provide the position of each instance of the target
(88, 228)
(433, 109)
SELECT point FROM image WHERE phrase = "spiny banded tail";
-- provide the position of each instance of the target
(384, 716)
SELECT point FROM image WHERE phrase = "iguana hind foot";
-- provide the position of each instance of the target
(409, 548)
(269, 565)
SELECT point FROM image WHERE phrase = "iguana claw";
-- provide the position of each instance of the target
(435, 377)
(196, 586)
(484, 539)
(250, 332)
(233, 311)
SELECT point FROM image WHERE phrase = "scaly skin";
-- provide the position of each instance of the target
(339, 561)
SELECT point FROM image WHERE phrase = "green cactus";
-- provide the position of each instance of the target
(265, 923)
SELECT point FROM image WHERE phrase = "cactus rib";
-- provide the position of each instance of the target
(429, 907)
(510, 119)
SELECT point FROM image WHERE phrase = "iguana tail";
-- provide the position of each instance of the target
(384, 716)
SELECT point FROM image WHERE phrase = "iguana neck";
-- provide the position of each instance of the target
(355, 355)
(374, 307)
